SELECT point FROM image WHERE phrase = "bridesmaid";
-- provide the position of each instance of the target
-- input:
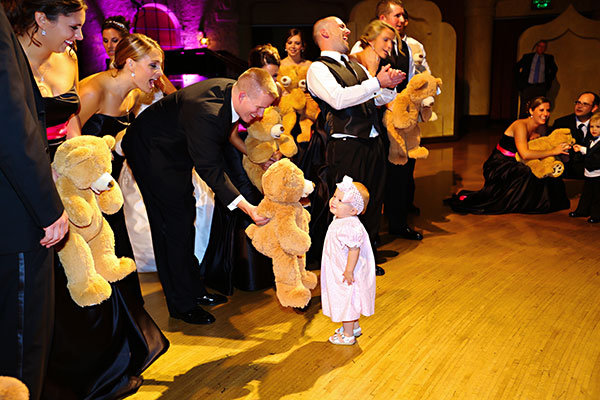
(295, 47)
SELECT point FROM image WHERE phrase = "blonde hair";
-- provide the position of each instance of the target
(135, 46)
(373, 30)
(255, 81)
(595, 117)
(364, 193)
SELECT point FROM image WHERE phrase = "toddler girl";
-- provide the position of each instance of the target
(348, 264)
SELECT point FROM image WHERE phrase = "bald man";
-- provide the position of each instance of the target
(348, 97)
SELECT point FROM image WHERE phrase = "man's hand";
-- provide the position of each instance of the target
(274, 158)
(56, 231)
(389, 77)
(252, 213)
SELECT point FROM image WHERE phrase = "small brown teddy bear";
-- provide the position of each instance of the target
(549, 166)
(266, 139)
(285, 237)
(402, 116)
(293, 98)
(13, 389)
(86, 188)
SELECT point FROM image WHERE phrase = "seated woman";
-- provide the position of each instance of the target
(295, 47)
(510, 186)
(376, 43)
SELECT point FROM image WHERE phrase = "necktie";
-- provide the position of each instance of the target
(586, 138)
(536, 70)
(347, 64)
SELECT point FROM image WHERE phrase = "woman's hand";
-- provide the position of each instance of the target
(348, 277)
(562, 148)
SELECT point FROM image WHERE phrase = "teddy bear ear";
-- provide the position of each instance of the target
(439, 82)
(77, 156)
(110, 141)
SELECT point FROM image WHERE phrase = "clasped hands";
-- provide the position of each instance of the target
(389, 77)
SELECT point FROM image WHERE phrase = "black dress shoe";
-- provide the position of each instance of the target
(575, 214)
(406, 233)
(412, 209)
(211, 299)
(593, 220)
(196, 315)
(379, 271)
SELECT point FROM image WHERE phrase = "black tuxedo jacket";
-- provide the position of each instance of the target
(191, 128)
(28, 198)
(592, 158)
(570, 122)
(524, 68)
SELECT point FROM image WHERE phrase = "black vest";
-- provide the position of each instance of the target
(356, 120)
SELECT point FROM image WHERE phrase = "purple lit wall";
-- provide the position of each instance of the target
(217, 19)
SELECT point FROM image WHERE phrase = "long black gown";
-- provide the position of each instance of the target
(98, 352)
(510, 187)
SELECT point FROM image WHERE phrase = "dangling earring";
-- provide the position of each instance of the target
(133, 74)
(43, 32)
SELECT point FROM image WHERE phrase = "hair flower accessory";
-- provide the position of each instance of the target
(351, 194)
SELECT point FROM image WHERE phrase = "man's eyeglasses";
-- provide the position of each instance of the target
(579, 103)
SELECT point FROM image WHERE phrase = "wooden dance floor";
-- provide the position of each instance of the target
(485, 307)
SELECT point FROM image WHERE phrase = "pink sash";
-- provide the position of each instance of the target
(504, 151)
(57, 131)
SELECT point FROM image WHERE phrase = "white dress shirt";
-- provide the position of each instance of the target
(322, 84)
(234, 118)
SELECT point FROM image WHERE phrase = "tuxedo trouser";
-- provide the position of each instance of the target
(26, 315)
(168, 195)
(399, 193)
(589, 202)
(364, 161)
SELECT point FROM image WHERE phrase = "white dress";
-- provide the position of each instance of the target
(340, 301)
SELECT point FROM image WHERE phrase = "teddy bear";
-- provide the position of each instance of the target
(86, 188)
(285, 237)
(296, 102)
(402, 116)
(266, 139)
(13, 389)
(418, 58)
(549, 166)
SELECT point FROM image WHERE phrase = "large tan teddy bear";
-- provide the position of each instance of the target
(87, 189)
(549, 166)
(285, 237)
(266, 138)
(13, 389)
(402, 116)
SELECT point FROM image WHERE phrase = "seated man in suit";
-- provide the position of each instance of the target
(190, 129)
(535, 74)
(586, 104)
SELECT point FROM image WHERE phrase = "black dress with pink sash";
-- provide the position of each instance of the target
(510, 187)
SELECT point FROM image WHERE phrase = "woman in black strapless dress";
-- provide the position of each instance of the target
(98, 352)
(510, 186)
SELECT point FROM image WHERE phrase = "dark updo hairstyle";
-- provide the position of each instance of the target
(294, 32)
(134, 46)
(119, 23)
(535, 103)
(21, 13)
(262, 55)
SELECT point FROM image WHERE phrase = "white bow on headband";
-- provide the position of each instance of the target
(351, 194)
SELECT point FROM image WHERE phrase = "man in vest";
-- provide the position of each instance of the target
(347, 96)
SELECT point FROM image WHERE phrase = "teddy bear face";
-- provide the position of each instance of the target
(289, 77)
(283, 182)
(86, 161)
(422, 86)
(269, 127)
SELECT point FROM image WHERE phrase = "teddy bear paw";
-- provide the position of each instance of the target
(309, 279)
(289, 296)
(115, 271)
(13, 389)
(419, 152)
(557, 169)
(90, 292)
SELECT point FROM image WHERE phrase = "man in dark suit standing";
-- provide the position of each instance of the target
(190, 129)
(32, 220)
(579, 123)
(535, 74)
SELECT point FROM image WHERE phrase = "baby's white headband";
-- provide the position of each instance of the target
(351, 194)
